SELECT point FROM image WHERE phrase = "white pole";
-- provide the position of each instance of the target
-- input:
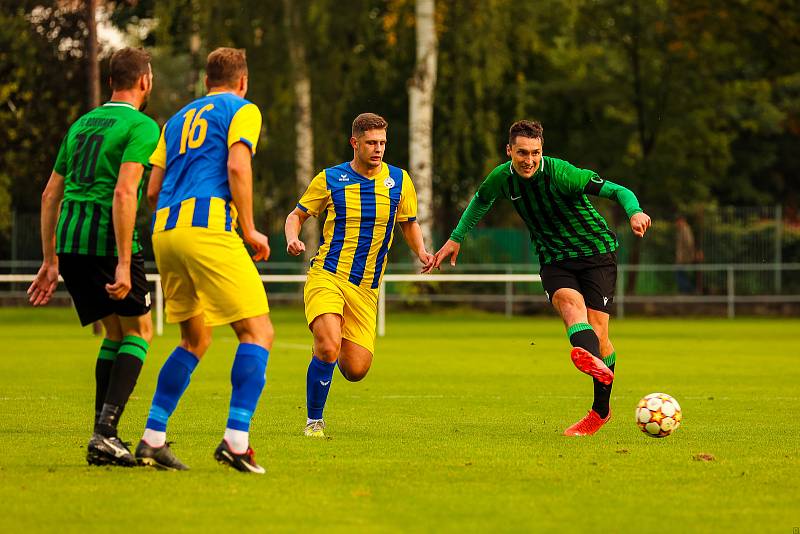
(382, 309)
(731, 289)
(159, 308)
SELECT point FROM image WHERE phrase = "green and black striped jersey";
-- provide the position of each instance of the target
(560, 219)
(89, 159)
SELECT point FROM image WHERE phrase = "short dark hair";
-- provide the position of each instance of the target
(368, 121)
(225, 66)
(526, 128)
(127, 65)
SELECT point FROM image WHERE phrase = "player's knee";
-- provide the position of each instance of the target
(146, 331)
(353, 373)
(197, 345)
(327, 349)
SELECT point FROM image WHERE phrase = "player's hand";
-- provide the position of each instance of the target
(44, 284)
(427, 261)
(122, 282)
(448, 250)
(260, 244)
(295, 247)
(640, 222)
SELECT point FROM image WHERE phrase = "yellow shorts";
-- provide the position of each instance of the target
(208, 272)
(358, 306)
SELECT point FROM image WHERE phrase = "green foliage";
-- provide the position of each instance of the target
(683, 102)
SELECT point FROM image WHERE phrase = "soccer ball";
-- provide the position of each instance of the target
(658, 415)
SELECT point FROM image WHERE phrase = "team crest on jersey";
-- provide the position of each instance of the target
(389, 182)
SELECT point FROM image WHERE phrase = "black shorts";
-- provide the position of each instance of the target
(86, 278)
(594, 277)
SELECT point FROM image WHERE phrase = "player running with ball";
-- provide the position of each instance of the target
(575, 246)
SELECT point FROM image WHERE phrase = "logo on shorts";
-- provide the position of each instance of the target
(516, 198)
(389, 183)
(546, 294)
(605, 301)
(147, 299)
(321, 383)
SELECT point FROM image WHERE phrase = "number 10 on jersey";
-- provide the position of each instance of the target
(194, 128)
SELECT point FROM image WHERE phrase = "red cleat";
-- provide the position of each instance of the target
(593, 366)
(588, 425)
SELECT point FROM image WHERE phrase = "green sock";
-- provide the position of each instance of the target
(102, 372)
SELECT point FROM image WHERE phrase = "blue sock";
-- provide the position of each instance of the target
(248, 376)
(318, 383)
(172, 382)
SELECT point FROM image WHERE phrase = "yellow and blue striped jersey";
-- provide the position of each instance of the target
(361, 214)
(193, 151)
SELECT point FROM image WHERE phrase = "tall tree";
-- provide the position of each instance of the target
(421, 89)
(303, 126)
(92, 63)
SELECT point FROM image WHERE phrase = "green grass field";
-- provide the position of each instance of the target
(456, 428)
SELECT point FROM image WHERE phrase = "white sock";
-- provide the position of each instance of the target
(154, 438)
(238, 440)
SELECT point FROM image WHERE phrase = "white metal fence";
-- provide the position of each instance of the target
(510, 296)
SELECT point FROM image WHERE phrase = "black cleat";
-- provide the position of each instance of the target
(245, 462)
(104, 450)
(158, 457)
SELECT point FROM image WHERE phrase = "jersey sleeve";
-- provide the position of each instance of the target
(159, 155)
(61, 164)
(569, 179)
(487, 193)
(618, 193)
(142, 141)
(316, 196)
(407, 208)
(245, 127)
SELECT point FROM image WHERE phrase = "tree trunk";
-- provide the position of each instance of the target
(92, 82)
(421, 88)
(304, 129)
(92, 64)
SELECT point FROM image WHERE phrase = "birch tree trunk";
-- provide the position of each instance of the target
(92, 82)
(92, 64)
(304, 129)
(421, 88)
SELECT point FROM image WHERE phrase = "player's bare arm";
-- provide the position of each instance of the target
(449, 250)
(240, 179)
(46, 280)
(294, 222)
(413, 236)
(154, 186)
(124, 215)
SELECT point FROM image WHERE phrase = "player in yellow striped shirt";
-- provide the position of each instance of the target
(364, 198)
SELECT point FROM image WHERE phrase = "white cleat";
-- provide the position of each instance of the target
(315, 428)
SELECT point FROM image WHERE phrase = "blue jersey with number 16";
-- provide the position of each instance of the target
(193, 151)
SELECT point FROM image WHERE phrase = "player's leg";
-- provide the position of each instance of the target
(358, 332)
(354, 361)
(173, 380)
(248, 377)
(327, 331)
(137, 332)
(323, 297)
(105, 361)
(602, 392)
(570, 305)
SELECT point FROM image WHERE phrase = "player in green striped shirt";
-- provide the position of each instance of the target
(576, 249)
(88, 236)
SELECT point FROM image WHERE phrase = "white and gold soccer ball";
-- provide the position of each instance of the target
(658, 415)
